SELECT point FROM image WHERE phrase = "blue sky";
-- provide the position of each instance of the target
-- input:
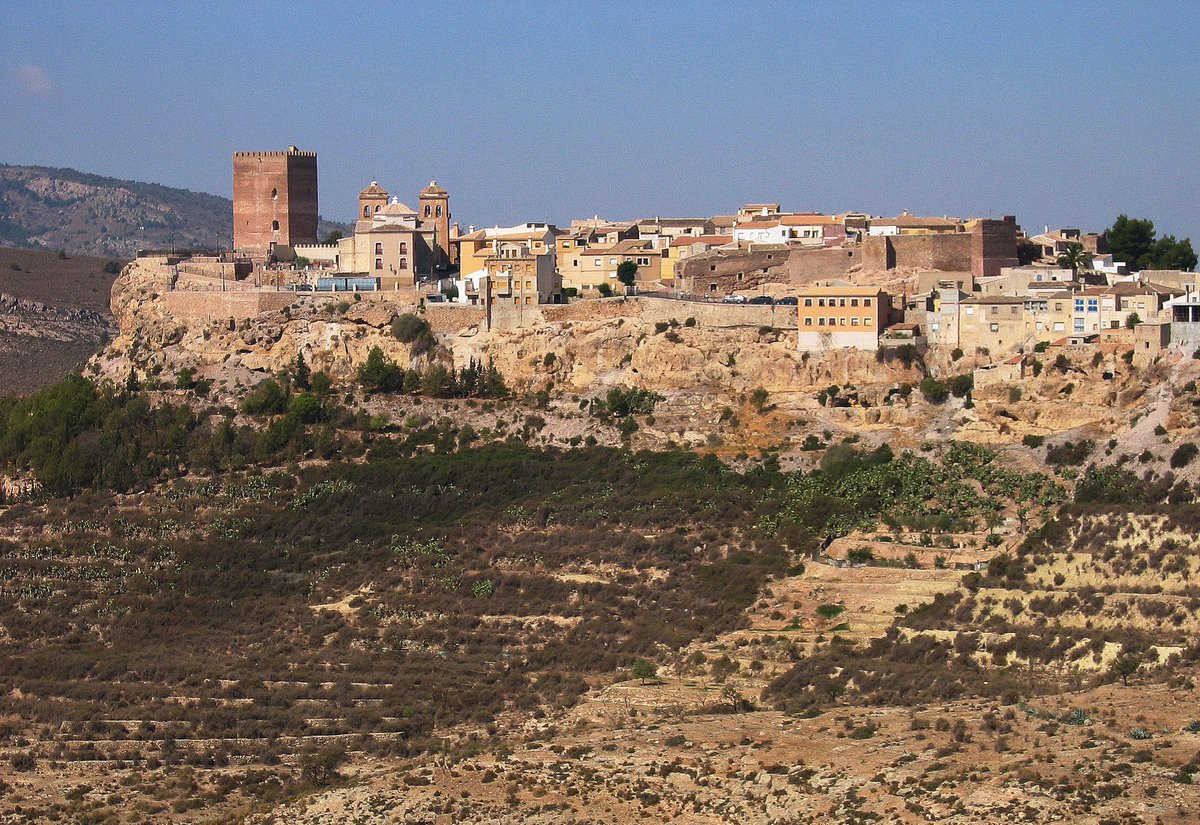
(1064, 114)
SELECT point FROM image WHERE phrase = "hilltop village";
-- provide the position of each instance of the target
(762, 517)
(981, 286)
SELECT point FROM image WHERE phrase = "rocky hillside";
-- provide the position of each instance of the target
(53, 315)
(50, 208)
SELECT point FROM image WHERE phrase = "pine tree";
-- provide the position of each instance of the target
(303, 374)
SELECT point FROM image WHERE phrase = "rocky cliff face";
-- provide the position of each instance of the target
(703, 370)
(587, 356)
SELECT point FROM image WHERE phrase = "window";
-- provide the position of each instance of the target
(842, 321)
(378, 249)
(1058, 306)
(995, 327)
(866, 322)
(808, 322)
(366, 211)
(842, 302)
(712, 287)
(379, 263)
(820, 322)
(1014, 310)
(854, 322)
(820, 302)
(1093, 305)
(808, 302)
(275, 225)
(969, 310)
(1079, 305)
(439, 211)
(712, 268)
(597, 262)
(427, 210)
(529, 285)
(1078, 325)
(866, 302)
(612, 261)
(404, 263)
(274, 193)
(643, 262)
(575, 262)
(403, 248)
(853, 302)
(741, 276)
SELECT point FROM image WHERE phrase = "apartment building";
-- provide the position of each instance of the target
(833, 317)
(519, 260)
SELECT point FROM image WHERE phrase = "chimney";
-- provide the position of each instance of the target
(454, 230)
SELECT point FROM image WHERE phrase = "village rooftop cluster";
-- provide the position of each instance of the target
(841, 280)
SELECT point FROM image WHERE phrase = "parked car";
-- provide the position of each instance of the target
(734, 299)
(789, 301)
(761, 299)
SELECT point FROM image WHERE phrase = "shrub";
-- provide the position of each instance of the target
(643, 670)
(1183, 455)
(830, 611)
(267, 398)
(413, 330)
(23, 762)
(380, 373)
(1070, 453)
(605, 289)
(935, 391)
(861, 555)
(320, 766)
(1033, 441)
(956, 354)
(960, 385)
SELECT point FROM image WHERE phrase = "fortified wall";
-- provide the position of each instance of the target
(218, 306)
(950, 252)
(723, 272)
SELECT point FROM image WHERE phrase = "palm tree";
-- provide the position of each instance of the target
(1074, 258)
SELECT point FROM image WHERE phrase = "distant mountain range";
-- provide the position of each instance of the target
(47, 208)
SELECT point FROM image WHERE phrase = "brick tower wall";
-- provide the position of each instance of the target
(269, 187)
(993, 246)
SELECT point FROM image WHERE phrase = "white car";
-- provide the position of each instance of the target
(734, 299)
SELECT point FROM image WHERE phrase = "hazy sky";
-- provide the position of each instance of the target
(1065, 114)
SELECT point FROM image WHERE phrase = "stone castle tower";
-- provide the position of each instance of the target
(274, 199)
(434, 210)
